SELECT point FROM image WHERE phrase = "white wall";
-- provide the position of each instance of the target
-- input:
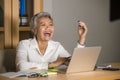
(95, 13)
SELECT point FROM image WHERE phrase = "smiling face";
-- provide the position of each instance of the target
(45, 29)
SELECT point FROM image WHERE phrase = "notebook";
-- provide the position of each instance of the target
(83, 59)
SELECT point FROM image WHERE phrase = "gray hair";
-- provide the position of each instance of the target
(33, 23)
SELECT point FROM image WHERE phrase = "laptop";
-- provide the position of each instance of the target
(83, 59)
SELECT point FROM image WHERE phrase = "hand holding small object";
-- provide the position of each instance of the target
(82, 31)
(81, 27)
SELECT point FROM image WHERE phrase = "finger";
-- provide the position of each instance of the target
(80, 23)
(83, 25)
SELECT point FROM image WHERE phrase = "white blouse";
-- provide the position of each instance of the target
(29, 55)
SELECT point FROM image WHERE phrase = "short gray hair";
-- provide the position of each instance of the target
(33, 23)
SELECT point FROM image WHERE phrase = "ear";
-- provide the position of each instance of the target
(34, 31)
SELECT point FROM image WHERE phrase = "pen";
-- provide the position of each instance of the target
(78, 21)
(81, 27)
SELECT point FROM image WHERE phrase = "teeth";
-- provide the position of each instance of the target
(47, 33)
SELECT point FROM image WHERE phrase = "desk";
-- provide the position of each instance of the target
(91, 75)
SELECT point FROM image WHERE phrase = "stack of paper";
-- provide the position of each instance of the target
(27, 72)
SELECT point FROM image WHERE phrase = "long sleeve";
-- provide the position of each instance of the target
(79, 46)
(22, 59)
(29, 56)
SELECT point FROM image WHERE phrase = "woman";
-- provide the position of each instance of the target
(41, 52)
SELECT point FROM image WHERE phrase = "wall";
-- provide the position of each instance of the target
(95, 13)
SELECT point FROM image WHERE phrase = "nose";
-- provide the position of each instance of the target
(47, 27)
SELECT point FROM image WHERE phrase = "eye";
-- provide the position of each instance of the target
(51, 24)
(42, 24)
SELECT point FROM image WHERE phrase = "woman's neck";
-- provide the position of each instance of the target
(42, 46)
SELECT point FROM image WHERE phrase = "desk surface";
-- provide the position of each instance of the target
(91, 75)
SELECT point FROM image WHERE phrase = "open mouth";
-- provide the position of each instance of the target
(48, 34)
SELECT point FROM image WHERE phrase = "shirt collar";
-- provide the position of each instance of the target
(34, 44)
(50, 45)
